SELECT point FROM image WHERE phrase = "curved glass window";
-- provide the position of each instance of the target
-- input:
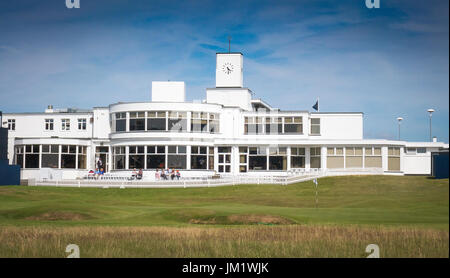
(137, 121)
(121, 121)
(156, 121)
(177, 122)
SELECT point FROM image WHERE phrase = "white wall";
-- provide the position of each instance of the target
(230, 97)
(32, 125)
(338, 125)
(417, 164)
(102, 127)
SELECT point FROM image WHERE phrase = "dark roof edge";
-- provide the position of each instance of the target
(230, 53)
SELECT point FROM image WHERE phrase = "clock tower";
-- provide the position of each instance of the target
(229, 90)
(229, 70)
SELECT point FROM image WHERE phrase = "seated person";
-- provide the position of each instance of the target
(133, 174)
(140, 174)
(97, 173)
(178, 174)
(91, 173)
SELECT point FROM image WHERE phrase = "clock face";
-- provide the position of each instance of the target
(228, 68)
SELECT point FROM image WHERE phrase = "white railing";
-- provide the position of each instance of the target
(122, 181)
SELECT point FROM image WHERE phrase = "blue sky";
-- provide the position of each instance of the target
(387, 62)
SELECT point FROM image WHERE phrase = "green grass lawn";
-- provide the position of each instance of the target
(385, 200)
(365, 202)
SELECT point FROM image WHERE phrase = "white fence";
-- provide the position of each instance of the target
(121, 181)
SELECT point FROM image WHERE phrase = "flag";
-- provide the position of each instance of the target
(316, 106)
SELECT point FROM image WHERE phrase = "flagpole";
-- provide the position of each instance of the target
(316, 183)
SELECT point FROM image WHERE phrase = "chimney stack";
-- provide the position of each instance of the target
(49, 109)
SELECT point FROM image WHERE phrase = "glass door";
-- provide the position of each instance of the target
(224, 162)
(102, 153)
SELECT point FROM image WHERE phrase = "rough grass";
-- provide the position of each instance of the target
(260, 241)
(405, 216)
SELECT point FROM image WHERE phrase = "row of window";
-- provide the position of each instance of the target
(65, 124)
(354, 158)
(275, 158)
(167, 121)
(49, 124)
(51, 156)
(250, 158)
(161, 157)
(415, 150)
(202, 157)
(279, 125)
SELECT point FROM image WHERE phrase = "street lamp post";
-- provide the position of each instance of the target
(399, 119)
(431, 112)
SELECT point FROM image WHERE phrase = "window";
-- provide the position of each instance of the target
(253, 125)
(68, 156)
(177, 122)
(394, 159)
(213, 123)
(65, 124)
(353, 157)
(257, 159)
(199, 157)
(136, 157)
(372, 157)
(137, 121)
(121, 121)
(415, 150)
(315, 126)
(243, 159)
(11, 124)
(293, 125)
(48, 124)
(32, 156)
(335, 158)
(19, 150)
(210, 158)
(81, 124)
(156, 121)
(81, 157)
(119, 158)
(156, 157)
(315, 158)
(278, 158)
(50, 156)
(297, 157)
(176, 158)
(274, 125)
(199, 122)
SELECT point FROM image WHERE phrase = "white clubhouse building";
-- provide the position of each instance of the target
(229, 133)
